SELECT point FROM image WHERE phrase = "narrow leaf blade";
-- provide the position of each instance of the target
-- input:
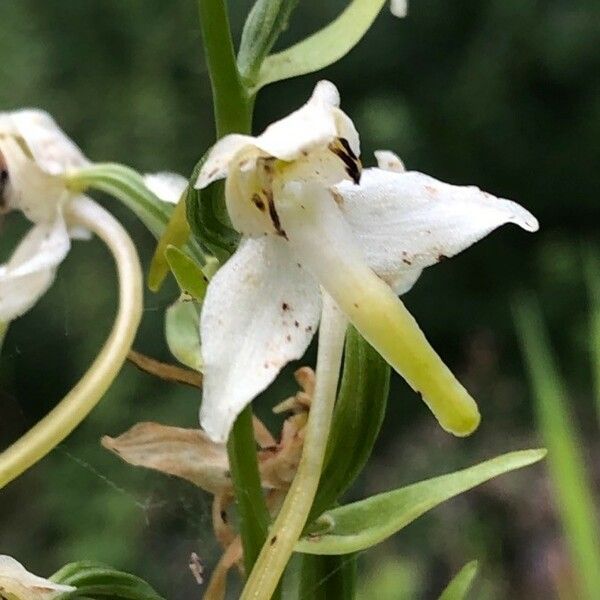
(459, 587)
(363, 524)
(324, 47)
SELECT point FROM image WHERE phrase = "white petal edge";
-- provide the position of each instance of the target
(18, 582)
(50, 147)
(315, 124)
(166, 186)
(260, 312)
(32, 267)
(408, 221)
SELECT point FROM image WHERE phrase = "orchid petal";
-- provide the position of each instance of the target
(18, 583)
(51, 149)
(408, 221)
(31, 269)
(166, 186)
(30, 189)
(324, 243)
(314, 125)
(260, 312)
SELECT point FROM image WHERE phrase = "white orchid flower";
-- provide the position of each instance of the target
(310, 220)
(17, 583)
(35, 158)
(34, 155)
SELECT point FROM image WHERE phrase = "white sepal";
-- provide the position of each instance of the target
(50, 148)
(405, 222)
(31, 269)
(260, 312)
(311, 127)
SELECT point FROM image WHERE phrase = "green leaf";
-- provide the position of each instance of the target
(322, 48)
(189, 275)
(176, 234)
(459, 587)
(208, 218)
(359, 413)
(182, 332)
(265, 23)
(574, 497)
(101, 582)
(363, 524)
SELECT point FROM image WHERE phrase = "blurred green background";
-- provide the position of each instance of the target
(503, 94)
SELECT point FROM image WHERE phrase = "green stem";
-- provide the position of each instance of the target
(233, 114)
(233, 108)
(292, 517)
(252, 510)
(76, 405)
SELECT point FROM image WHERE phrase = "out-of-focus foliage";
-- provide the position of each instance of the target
(567, 467)
(502, 93)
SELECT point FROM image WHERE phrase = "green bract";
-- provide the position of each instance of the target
(187, 272)
(208, 219)
(265, 23)
(363, 524)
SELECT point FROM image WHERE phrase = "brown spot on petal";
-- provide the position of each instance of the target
(339, 200)
(285, 306)
(442, 257)
(275, 217)
(258, 202)
(273, 540)
(341, 148)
